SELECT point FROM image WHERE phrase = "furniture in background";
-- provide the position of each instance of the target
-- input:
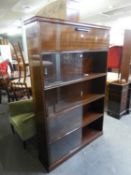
(118, 98)
(4, 67)
(114, 58)
(112, 76)
(119, 92)
(13, 83)
(13, 89)
(22, 119)
(129, 99)
(126, 65)
(5, 87)
(21, 91)
(68, 72)
(126, 57)
(22, 85)
(23, 67)
(114, 63)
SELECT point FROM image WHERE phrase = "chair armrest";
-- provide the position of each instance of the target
(28, 117)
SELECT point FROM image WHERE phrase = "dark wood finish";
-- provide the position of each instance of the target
(67, 122)
(37, 81)
(60, 133)
(76, 37)
(129, 99)
(68, 64)
(61, 21)
(126, 65)
(126, 56)
(118, 97)
(74, 81)
(66, 37)
(74, 105)
(119, 100)
(89, 136)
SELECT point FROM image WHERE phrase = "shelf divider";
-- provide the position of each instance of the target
(81, 79)
(87, 119)
(86, 100)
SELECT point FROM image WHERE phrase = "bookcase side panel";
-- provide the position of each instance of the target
(37, 83)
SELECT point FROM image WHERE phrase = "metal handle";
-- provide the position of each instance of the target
(82, 29)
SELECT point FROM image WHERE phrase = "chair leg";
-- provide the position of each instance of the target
(12, 129)
(8, 97)
(0, 96)
(24, 144)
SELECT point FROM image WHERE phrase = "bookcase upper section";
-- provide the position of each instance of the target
(59, 35)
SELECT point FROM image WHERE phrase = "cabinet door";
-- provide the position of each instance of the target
(85, 38)
(64, 123)
(48, 37)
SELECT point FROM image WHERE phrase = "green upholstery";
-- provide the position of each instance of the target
(22, 118)
(20, 107)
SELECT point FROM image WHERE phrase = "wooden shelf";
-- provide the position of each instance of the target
(87, 119)
(91, 117)
(81, 79)
(72, 105)
(88, 136)
(73, 51)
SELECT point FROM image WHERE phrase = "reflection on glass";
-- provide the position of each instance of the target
(66, 122)
(63, 67)
(65, 145)
(66, 97)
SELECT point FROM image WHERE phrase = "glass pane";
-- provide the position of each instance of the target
(63, 146)
(61, 67)
(67, 97)
(66, 122)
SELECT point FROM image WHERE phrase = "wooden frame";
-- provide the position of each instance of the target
(68, 66)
